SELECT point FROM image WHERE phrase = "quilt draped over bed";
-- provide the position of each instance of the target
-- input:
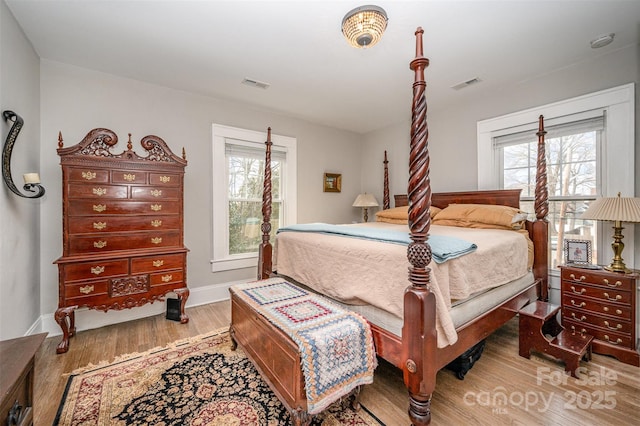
(336, 346)
(443, 247)
(361, 272)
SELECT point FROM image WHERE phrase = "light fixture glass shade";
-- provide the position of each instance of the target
(364, 26)
(618, 208)
(365, 200)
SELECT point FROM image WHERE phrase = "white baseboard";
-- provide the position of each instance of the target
(87, 319)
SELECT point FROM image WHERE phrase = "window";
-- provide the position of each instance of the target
(590, 154)
(573, 178)
(238, 174)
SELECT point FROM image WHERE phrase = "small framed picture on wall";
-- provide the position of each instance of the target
(577, 251)
(332, 182)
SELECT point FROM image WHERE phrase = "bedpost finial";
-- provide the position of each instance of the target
(385, 156)
(541, 131)
(420, 62)
(60, 144)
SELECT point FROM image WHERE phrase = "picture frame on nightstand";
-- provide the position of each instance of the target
(577, 252)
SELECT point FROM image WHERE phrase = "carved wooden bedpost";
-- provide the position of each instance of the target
(385, 197)
(265, 250)
(541, 206)
(418, 332)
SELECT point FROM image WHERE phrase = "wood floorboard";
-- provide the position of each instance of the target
(536, 391)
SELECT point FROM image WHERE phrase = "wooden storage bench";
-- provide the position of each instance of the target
(276, 357)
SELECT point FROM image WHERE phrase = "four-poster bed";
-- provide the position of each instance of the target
(415, 348)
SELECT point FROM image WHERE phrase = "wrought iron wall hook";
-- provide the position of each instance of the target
(30, 185)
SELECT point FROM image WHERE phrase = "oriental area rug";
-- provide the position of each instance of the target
(199, 382)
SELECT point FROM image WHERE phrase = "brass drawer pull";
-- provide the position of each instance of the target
(129, 177)
(156, 207)
(156, 223)
(582, 318)
(97, 270)
(167, 278)
(99, 225)
(99, 208)
(618, 311)
(574, 331)
(156, 192)
(87, 289)
(99, 244)
(618, 297)
(88, 175)
(581, 305)
(582, 290)
(617, 283)
(158, 263)
(618, 327)
(165, 179)
(156, 240)
(617, 342)
(99, 191)
(573, 277)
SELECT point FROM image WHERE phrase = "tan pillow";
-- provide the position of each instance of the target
(481, 216)
(399, 215)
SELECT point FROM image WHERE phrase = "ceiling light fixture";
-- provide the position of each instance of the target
(602, 40)
(364, 26)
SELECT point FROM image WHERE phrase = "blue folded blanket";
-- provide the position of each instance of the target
(443, 247)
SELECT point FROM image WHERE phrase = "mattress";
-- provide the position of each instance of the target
(360, 272)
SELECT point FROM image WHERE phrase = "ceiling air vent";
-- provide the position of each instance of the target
(466, 83)
(255, 83)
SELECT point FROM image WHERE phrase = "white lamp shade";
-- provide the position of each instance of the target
(618, 208)
(365, 200)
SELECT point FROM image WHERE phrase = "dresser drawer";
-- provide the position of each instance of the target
(167, 277)
(91, 270)
(88, 175)
(125, 241)
(126, 176)
(94, 191)
(165, 179)
(154, 193)
(611, 324)
(612, 337)
(108, 207)
(599, 279)
(604, 294)
(157, 263)
(86, 289)
(595, 306)
(113, 223)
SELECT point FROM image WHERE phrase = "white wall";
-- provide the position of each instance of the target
(75, 100)
(19, 217)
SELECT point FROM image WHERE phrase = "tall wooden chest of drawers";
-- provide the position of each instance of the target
(602, 304)
(123, 240)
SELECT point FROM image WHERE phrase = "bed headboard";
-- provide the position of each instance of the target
(503, 197)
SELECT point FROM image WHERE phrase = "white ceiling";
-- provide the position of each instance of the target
(209, 47)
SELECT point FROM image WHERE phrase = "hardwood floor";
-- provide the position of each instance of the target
(501, 389)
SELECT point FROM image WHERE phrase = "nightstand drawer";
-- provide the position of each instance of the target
(602, 279)
(610, 324)
(604, 294)
(611, 337)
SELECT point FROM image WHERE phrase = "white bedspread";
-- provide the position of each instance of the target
(357, 271)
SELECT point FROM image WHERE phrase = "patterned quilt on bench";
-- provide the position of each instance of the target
(336, 346)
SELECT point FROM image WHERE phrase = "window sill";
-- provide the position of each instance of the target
(236, 263)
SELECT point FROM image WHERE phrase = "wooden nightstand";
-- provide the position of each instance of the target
(16, 379)
(603, 304)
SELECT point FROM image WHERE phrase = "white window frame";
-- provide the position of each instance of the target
(617, 161)
(221, 259)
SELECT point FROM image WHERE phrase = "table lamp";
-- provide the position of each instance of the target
(616, 209)
(365, 201)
